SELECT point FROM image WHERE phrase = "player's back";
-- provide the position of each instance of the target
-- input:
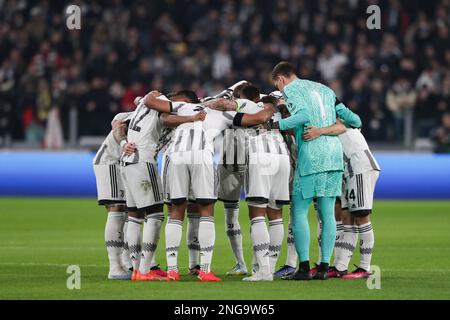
(317, 101)
(199, 135)
(357, 155)
(262, 141)
(144, 131)
(110, 151)
(353, 141)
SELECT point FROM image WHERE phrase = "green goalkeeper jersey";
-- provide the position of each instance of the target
(314, 104)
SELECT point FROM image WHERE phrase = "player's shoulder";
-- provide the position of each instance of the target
(123, 116)
(354, 133)
(244, 105)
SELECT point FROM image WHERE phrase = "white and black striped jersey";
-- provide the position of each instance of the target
(165, 139)
(292, 147)
(357, 156)
(144, 130)
(262, 141)
(199, 135)
(110, 151)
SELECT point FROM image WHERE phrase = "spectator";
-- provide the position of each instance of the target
(400, 99)
(221, 65)
(441, 136)
(128, 47)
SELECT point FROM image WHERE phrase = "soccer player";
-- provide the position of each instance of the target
(319, 173)
(289, 267)
(191, 167)
(143, 190)
(267, 183)
(170, 122)
(231, 172)
(361, 172)
(291, 257)
(111, 194)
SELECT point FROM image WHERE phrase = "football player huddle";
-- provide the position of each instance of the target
(287, 147)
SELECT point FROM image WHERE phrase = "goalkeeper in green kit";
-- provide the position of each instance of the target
(320, 161)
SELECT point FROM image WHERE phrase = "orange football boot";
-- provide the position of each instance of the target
(152, 275)
(208, 277)
(135, 275)
(173, 276)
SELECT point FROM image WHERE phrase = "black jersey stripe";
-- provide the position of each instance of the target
(202, 141)
(372, 160)
(100, 154)
(224, 146)
(349, 165)
(190, 140)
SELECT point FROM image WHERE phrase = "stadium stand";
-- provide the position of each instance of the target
(391, 77)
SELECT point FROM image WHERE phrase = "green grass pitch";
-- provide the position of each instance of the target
(39, 238)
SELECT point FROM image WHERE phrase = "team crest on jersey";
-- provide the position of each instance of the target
(145, 185)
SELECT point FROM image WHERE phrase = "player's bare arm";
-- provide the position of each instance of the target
(250, 120)
(120, 135)
(312, 133)
(222, 104)
(119, 131)
(173, 121)
(152, 101)
(262, 117)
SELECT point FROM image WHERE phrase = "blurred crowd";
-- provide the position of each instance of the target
(125, 48)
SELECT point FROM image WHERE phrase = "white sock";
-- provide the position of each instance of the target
(319, 234)
(291, 258)
(276, 235)
(206, 239)
(174, 232)
(346, 247)
(339, 238)
(234, 232)
(261, 240)
(134, 240)
(114, 238)
(254, 260)
(153, 263)
(152, 227)
(192, 239)
(126, 261)
(366, 242)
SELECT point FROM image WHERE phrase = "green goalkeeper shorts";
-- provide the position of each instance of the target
(323, 184)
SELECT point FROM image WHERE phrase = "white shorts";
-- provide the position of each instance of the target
(192, 175)
(267, 180)
(143, 187)
(110, 189)
(166, 183)
(230, 183)
(358, 191)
